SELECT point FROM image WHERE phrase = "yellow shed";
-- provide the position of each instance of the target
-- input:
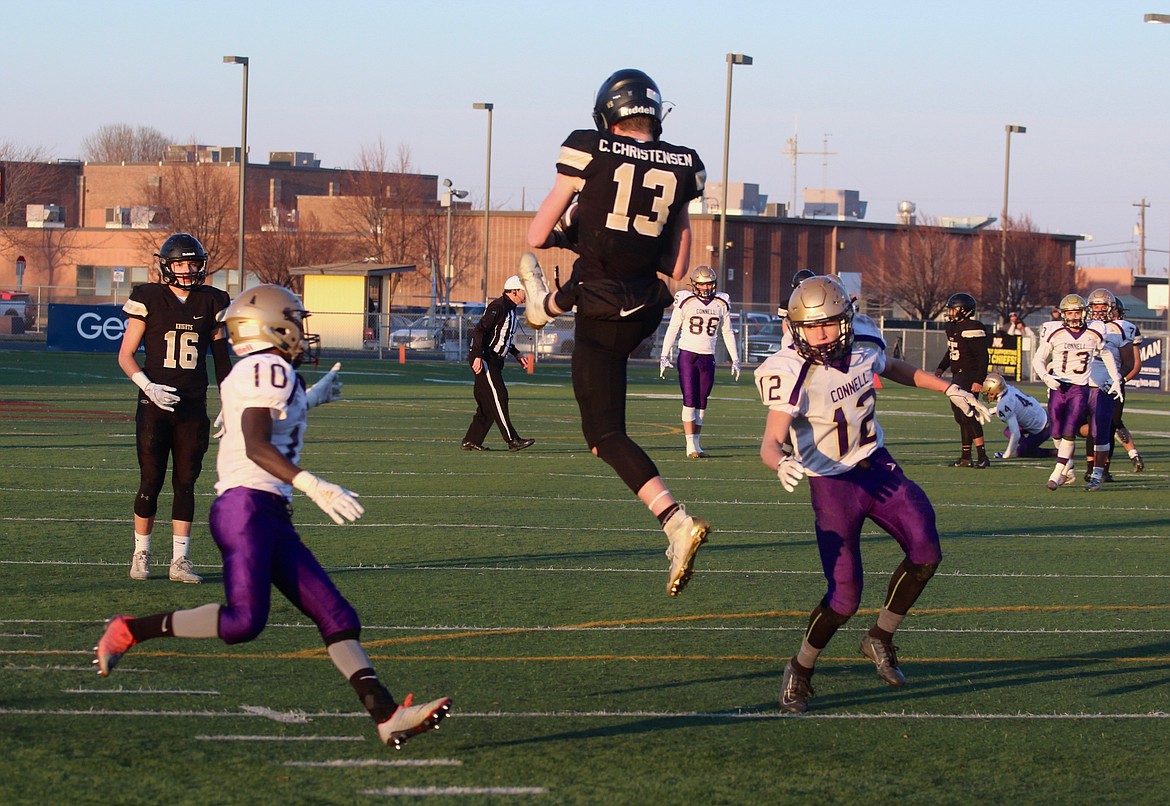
(347, 301)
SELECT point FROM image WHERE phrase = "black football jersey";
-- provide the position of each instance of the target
(626, 209)
(967, 343)
(178, 333)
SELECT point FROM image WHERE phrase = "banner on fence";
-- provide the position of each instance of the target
(85, 328)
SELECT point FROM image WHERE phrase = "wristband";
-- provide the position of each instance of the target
(140, 380)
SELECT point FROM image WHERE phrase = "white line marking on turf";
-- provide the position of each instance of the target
(20, 635)
(186, 692)
(448, 791)
(294, 718)
(281, 738)
(377, 762)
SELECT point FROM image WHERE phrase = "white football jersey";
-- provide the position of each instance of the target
(1067, 354)
(699, 324)
(834, 425)
(1115, 339)
(1021, 412)
(267, 381)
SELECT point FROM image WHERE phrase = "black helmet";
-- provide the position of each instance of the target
(960, 306)
(801, 276)
(178, 248)
(625, 94)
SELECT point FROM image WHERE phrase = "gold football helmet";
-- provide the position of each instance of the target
(1102, 305)
(703, 283)
(817, 301)
(1072, 310)
(268, 316)
(994, 385)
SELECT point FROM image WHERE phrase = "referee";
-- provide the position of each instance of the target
(491, 342)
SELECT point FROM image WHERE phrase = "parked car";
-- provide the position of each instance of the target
(555, 338)
(425, 333)
(764, 341)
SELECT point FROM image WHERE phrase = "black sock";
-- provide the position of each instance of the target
(147, 627)
(966, 451)
(665, 514)
(373, 694)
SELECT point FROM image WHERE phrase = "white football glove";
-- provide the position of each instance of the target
(1116, 392)
(326, 390)
(735, 370)
(1051, 381)
(160, 394)
(968, 403)
(663, 365)
(790, 472)
(218, 426)
(337, 502)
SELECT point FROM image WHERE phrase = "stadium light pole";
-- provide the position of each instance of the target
(1009, 130)
(1164, 19)
(448, 201)
(243, 159)
(487, 199)
(732, 60)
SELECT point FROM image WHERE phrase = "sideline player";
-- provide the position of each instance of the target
(967, 358)
(175, 321)
(632, 190)
(265, 408)
(701, 315)
(1064, 354)
(1027, 421)
(821, 394)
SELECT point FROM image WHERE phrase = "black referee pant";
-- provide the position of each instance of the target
(491, 399)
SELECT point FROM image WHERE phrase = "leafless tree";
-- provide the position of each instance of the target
(118, 142)
(201, 199)
(391, 212)
(1037, 270)
(50, 247)
(273, 253)
(918, 266)
(23, 181)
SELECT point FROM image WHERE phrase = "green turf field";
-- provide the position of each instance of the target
(530, 587)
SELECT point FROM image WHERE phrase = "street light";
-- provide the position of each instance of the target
(1007, 161)
(243, 158)
(487, 200)
(448, 201)
(732, 59)
(1164, 19)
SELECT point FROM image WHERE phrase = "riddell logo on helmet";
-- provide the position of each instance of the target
(628, 111)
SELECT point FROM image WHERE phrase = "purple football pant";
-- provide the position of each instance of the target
(1067, 408)
(1031, 446)
(696, 377)
(260, 548)
(1101, 407)
(876, 489)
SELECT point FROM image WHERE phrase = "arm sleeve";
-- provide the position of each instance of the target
(672, 331)
(222, 360)
(729, 338)
(1014, 435)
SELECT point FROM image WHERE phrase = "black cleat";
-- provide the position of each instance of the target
(795, 691)
(1138, 464)
(519, 444)
(982, 462)
(885, 657)
(963, 461)
(473, 446)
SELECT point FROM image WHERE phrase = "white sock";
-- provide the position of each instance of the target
(141, 543)
(1133, 453)
(692, 443)
(179, 545)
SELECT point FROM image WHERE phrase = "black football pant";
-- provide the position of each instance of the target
(491, 404)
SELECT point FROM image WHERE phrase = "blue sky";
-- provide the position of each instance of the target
(912, 97)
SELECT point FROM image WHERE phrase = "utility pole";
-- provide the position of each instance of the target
(792, 151)
(1142, 234)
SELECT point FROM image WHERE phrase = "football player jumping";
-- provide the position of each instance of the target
(820, 393)
(175, 321)
(265, 408)
(632, 191)
(701, 315)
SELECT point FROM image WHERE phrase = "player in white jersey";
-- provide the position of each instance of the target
(820, 391)
(1121, 339)
(264, 410)
(1027, 421)
(1063, 360)
(700, 317)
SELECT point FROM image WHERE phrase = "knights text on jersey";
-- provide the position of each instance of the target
(834, 425)
(178, 333)
(266, 381)
(632, 192)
